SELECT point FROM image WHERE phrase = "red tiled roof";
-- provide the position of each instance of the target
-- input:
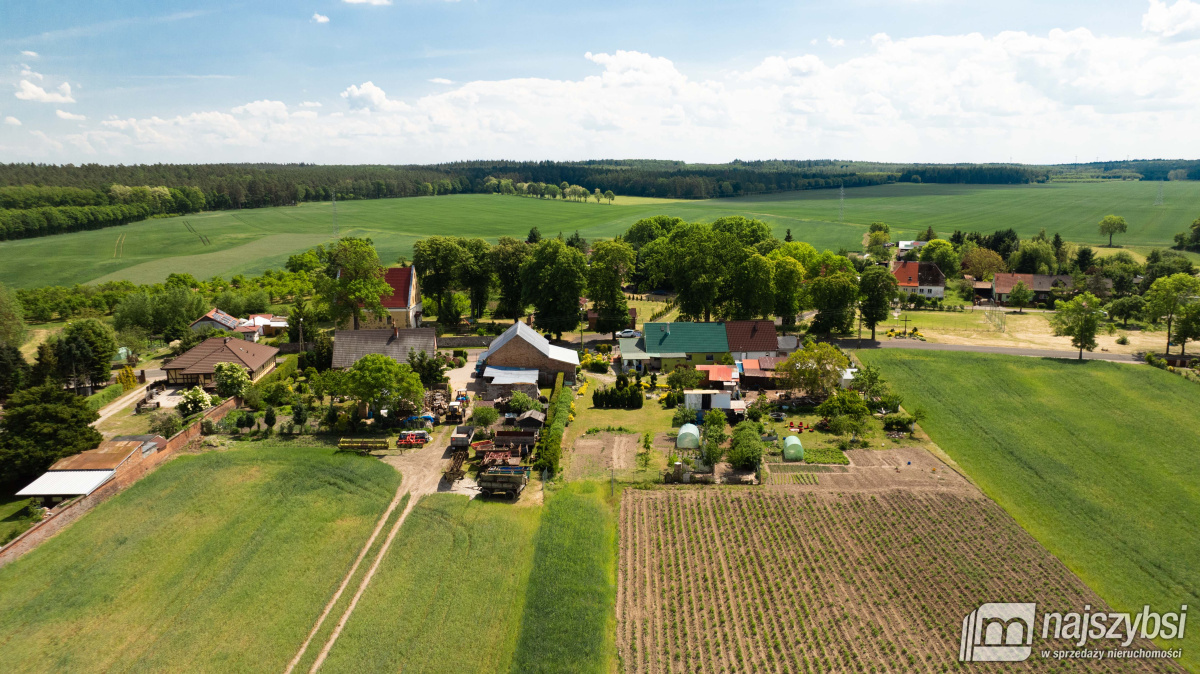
(751, 336)
(913, 274)
(717, 372)
(201, 358)
(400, 279)
(750, 364)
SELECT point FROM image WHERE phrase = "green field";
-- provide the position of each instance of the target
(250, 241)
(475, 586)
(1097, 460)
(215, 562)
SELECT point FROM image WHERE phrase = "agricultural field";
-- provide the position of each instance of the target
(219, 561)
(789, 580)
(250, 241)
(1096, 460)
(531, 588)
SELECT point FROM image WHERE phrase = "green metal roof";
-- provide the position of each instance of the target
(675, 338)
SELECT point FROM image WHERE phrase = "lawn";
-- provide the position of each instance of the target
(219, 561)
(250, 241)
(1097, 460)
(12, 509)
(528, 588)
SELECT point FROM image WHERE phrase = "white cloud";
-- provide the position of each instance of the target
(12, 121)
(28, 91)
(371, 98)
(319, 18)
(63, 114)
(441, 80)
(310, 104)
(1179, 20)
(835, 42)
(30, 54)
(30, 74)
(367, 2)
(1037, 98)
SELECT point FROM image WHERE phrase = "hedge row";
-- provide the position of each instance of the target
(550, 452)
(32, 222)
(109, 394)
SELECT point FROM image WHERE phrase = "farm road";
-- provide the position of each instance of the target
(1005, 350)
(421, 472)
(120, 404)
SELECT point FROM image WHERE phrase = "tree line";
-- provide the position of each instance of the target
(43, 211)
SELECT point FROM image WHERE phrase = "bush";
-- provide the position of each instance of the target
(108, 395)
(629, 398)
(459, 353)
(207, 427)
(550, 450)
(897, 422)
(192, 401)
(165, 423)
(746, 449)
(683, 416)
(521, 403)
(844, 403)
(485, 416)
(1123, 340)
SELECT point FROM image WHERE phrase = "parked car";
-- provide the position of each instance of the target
(629, 333)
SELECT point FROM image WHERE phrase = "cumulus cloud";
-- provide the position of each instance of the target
(63, 114)
(319, 18)
(367, 2)
(28, 91)
(835, 42)
(12, 121)
(310, 104)
(1035, 97)
(30, 54)
(1175, 21)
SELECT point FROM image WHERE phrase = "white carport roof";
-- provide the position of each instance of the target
(510, 375)
(66, 483)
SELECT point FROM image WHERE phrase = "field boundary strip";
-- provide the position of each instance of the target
(399, 496)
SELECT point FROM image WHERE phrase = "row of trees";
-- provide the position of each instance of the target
(30, 211)
(546, 191)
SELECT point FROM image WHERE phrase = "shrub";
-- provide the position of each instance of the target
(520, 403)
(746, 449)
(683, 416)
(550, 451)
(897, 422)
(459, 353)
(485, 416)
(1123, 340)
(300, 415)
(844, 403)
(629, 397)
(192, 401)
(109, 394)
(207, 427)
(165, 423)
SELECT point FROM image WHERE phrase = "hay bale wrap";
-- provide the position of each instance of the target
(792, 449)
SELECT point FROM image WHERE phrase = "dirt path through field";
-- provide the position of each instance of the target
(119, 404)
(421, 472)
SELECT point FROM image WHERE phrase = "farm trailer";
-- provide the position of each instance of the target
(509, 480)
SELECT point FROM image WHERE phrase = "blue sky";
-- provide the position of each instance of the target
(425, 81)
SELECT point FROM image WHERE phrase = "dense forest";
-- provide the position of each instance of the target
(44, 199)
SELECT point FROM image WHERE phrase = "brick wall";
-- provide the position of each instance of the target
(129, 472)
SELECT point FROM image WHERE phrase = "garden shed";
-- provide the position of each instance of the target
(792, 449)
(689, 437)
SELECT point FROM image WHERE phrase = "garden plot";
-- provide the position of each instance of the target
(595, 455)
(721, 580)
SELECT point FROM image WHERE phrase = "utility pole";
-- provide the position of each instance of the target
(841, 202)
(335, 229)
(302, 333)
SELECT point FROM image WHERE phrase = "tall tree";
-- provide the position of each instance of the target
(1078, 319)
(816, 368)
(352, 285)
(696, 271)
(439, 261)
(1113, 224)
(789, 276)
(42, 425)
(752, 286)
(833, 297)
(983, 263)
(612, 263)
(12, 319)
(553, 279)
(941, 252)
(1187, 326)
(1020, 296)
(14, 371)
(507, 256)
(648, 229)
(379, 381)
(101, 345)
(476, 274)
(535, 236)
(877, 288)
(1168, 296)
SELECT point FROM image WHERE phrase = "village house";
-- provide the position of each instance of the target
(219, 320)
(665, 346)
(751, 339)
(723, 377)
(521, 347)
(920, 278)
(905, 246)
(268, 325)
(195, 366)
(351, 345)
(1041, 285)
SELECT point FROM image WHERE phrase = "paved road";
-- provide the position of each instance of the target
(976, 348)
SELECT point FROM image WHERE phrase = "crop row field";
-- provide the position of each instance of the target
(249, 241)
(1096, 460)
(754, 581)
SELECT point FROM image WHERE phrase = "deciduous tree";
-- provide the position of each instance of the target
(507, 256)
(1020, 296)
(353, 284)
(40, 426)
(612, 263)
(1168, 296)
(816, 368)
(1112, 224)
(12, 319)
(439, 261)
(553, 279)
(834, 297)
(1079, 319)
(877, 287)
(232, 379)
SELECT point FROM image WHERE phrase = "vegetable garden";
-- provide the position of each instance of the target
(825, 582)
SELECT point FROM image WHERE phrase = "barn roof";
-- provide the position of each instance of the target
(751, 336)
(351, 345)
(528, 334)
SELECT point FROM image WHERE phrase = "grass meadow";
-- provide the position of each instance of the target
(528, 588)
(220, 561)
(1097, 460)
(250, 241)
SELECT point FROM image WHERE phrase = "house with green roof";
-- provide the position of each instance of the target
(664, 346)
